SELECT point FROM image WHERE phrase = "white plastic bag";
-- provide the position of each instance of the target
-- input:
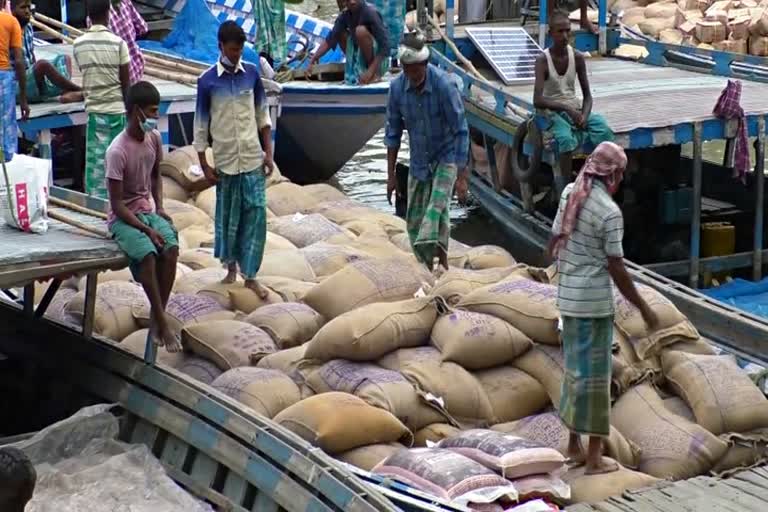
(28, 178)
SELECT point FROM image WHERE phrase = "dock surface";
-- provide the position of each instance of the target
(746, 491)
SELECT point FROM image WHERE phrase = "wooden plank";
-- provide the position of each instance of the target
(204, 469)
(264, 503)
(235, 487)
(174, 452)
(145, 433)
(223, 503)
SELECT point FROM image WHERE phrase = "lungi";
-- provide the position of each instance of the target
(50, 90)
(8, 128)
(428, 214)
(241, 220)
(393, 14)
(585, 404)
(99, 134)
(270, 28)
(355, 64)
(569, 138)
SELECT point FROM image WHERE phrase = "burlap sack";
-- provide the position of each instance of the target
(547, 429)
(744, 451)
(276, 242)
(291, 290)
(369, 332)
(368, 457)
(291, 264)
(196, 280)
(57, 309)
(673, 325)
(292, 363)
(183, 166)
(289, 324)
(670, 446)
(596, 488)
(289, 198)
(327, 259)
(322, 192)
(198, 237)
(447, 475)
(198, 259)
(136, 344)
(182, 269)
(183, 309)
(677, 405)
(723, 398)
(185, 215)
(114, 301)
(477, 341)
(199, 369)
(382, 388)
(459, 391)
(488, 256)
(123, 274)
(433, 433)
(240, 298)
(206, 201)
(513, 394)
(458, 282)
(172, 190)
(366, 282)
(546, 365)
(228, 343)
(402, 242)
(529, 306)
(325, 421)
(265, 391)
(305, 230)
(628, 369)
(375, 247)
(367, 228)
(510, 455)
(701, 347)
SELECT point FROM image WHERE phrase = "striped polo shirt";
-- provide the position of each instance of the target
(99, 54)
(585, 289)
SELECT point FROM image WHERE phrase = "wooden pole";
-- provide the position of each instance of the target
(45, 28)
(76, 207)
(77, 224)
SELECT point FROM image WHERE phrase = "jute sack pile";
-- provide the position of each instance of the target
(382, 388)
(185, 215)
(458, 282)
(546, 365)
(199, 369)
(457, 389)
(339, 422)
(136, 343)
(114, 302)
(673, 325)
(596, 488)
(291, 290)
(466, 481)
(327, 259)
(510, 455)
(172, 190)
(198, 279)
(670, 446)
(292, 363)
(322, 192)
(744, 451)
(305, 230)
(343, 210)
(628, 369)
(276, 242)
(198, 237)
(183, 166)
(291, 264)
(57, 309)
(206, 201)
(376, 247)
(240, 298)
(265, 391)
(433, 433)
(289, 198)
(367, 333)
(549, 430)
(289, 324)
(513, 394)
(103, 277)
(477, 341)
(529, 306)
(184, 309)
(723, 398)
(199, 258)
(677, 405)
(368, 457)
(366, 282)
(488, 256)
(228, 343)
(368, 228)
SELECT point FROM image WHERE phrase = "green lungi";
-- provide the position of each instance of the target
(569, 138)
(136, 245)
(428, 214)
(355, 64)
(50, 90)
(270, 28)
(99, 134)
(585, 404)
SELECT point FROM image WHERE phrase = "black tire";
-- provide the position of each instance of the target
(524, 167)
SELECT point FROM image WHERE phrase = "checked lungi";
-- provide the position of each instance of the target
(99, 134)
(393, 15)
(241, 220)
(585, 404)
(355, 64)
(428, 214)
(270, 28)
(8, 127)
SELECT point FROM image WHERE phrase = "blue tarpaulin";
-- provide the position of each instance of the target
(745, 295)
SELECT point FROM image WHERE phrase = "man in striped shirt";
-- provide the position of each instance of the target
(126, 22)
(588, 232)
(103, 60)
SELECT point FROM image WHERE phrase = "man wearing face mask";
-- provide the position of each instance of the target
(427, 102)
(136, 218)
(233, 114)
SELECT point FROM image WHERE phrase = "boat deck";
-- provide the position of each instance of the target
(746, 491)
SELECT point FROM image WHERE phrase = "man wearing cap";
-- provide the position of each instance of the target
(427, 102)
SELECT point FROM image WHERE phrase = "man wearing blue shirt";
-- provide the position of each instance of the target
(428, 103)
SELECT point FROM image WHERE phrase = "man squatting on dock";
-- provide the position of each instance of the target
(587, 242)
(572, 122)
(232, 113)
(17, 479)
(426, 102)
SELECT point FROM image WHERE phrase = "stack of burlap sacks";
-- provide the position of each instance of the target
(361, 352)
(739, 26)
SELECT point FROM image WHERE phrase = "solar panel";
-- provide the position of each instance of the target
(510, 51)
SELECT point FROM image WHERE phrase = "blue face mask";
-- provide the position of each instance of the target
(148, 124)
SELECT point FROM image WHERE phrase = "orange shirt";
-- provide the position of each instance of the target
(10, 37)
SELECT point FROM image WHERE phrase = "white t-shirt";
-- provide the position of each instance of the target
(266, 70)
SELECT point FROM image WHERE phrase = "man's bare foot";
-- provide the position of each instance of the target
(586, 24)
(253, 284)
(576, 454)
(71, 97)
(603, 466)
(230, 278)
(172, 342)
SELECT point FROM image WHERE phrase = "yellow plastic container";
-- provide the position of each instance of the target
(717, 239)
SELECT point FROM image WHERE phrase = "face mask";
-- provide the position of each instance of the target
(225, 60)
(148, 124)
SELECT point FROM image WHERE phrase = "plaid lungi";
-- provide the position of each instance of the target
(393, 14)
(428, 215)
(99, 134)
(8, 127)
(355, 64)
(270, 28)
(585, 404)
(241, 220)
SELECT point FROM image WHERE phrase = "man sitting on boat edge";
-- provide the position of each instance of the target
(571, 121)
(360, 32)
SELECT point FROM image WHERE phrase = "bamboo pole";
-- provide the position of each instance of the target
(45, 28)
(77, 224)
(170, 75)
(76, 207)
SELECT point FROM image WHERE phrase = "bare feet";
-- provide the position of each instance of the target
(71, 97)
(162, 336)
(587, 25)
(576, 454)
(601, 467)
(231, 275)
(253, 284)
